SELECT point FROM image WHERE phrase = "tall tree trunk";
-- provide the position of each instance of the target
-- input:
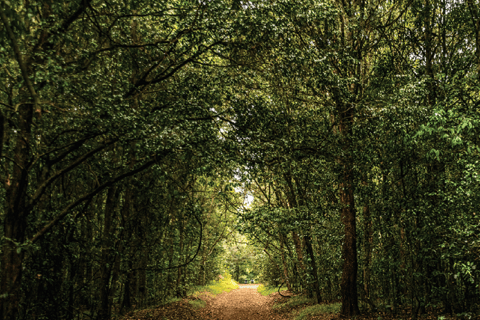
(292, 201)
(15, 221)
(15, 218)
(308, 243)
(299, 250)
(181, 227)
(142, 278)
(170, 286)
(367, 248)
(475, 16)
(284, 261)
(106, 268)
(128, 215)
(348, 217)
(2, 132)
(313, 266)
(129, 285)
(143, 263)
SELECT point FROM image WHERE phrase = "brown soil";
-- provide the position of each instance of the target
(244, 303)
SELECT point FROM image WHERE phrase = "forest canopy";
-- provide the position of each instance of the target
(132, 132)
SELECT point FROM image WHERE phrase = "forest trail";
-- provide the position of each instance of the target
(244, 303)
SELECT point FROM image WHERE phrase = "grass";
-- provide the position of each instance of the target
(293, 302)
(307, 307)
(318, 309)
(265, 291)
(197, 304)
(226, 284)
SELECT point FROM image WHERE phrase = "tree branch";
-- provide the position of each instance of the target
(66, 24)
(19, 58)
(90, 194)
(41, 189)
(144, 82)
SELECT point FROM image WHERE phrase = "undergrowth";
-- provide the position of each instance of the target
(308, 308)
(197, 304)
(293, 302)
(318, 309)
(265, 291)
(171, 300)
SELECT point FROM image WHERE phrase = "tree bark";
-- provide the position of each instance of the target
(284, 261)
(299, 250)
(179, 289)
(348, 217)
(313, 266)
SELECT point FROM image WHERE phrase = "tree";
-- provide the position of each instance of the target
(74, 96)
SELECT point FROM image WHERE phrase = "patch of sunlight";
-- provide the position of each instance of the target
(226, 284)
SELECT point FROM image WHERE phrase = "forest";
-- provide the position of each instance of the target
(329, 146)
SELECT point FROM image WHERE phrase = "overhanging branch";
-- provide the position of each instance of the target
(92, 193)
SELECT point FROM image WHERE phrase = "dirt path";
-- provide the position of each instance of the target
(244, 303)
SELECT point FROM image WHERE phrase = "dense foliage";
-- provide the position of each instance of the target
(130, 129)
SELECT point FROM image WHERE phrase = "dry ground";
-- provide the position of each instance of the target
(244, 303)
